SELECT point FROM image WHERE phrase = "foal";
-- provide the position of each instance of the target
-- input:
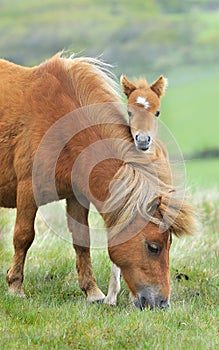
(143, 109)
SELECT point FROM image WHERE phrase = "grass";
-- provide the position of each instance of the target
(55, 314)
(202, 173)
(136, 37)
(189, 112)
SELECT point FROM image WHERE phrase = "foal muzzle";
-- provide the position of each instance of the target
(143, 142)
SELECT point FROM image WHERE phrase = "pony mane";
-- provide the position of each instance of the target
(136, 184)
(92, 79)
(91, 82)
(142, 177)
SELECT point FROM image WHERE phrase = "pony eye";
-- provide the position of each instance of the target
(130, 114)
(157, 114)
(154, 248)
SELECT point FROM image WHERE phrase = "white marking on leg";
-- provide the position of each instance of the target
(114, 286)
(95, 295)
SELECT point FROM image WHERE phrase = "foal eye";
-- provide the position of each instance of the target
(130, 114)
(154, 248)
(157, 114)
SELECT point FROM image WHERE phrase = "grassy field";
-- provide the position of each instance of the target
(203, 174)
(137, 36)
(55, 314)
(141, 38)
(189, 111)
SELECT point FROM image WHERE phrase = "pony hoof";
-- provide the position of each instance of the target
(17, 293)
(100, 301)
(96, 297)
(110, 302)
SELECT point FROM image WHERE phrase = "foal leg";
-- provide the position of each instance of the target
(80, 234)
(114, 286)
(23, 236)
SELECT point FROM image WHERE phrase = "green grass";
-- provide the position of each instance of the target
(189, 110)
(202, 173)
(55, 314)
(141, 41)
(136, 36)
(140, 38)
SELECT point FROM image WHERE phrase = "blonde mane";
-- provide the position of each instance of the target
(136, 184)
(93, 80)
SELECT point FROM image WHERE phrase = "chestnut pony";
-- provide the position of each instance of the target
(63, 135)
(143, 109)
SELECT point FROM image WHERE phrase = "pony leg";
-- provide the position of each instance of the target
(114, 286)
(80, 234)
(23, 237)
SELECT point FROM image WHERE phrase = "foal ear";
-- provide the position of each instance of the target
(127, 86)
(153, 204)
(159, 86)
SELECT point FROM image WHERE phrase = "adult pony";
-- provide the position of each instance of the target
(48, 153)
(143, 109)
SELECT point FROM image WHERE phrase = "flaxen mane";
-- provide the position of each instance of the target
(136, 184)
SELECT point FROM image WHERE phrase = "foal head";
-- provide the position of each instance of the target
(143, 109)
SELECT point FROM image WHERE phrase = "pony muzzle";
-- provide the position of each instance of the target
(142, 141)
(147, 298)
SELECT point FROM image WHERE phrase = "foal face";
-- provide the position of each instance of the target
(143, 109)
(143, 126)
(144, 263)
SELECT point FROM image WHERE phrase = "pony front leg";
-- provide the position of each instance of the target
(114, 286)
(23, 237)
(78, 225)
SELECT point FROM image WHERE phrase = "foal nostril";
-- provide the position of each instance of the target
(142, 138)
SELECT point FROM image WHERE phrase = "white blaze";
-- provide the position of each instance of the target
(143, 101)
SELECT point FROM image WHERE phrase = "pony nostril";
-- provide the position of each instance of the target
(149, 139)
(136, 137)
(164, 304)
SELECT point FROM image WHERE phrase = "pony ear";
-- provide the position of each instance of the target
(159, 86)
(153, 204)
(127, 86)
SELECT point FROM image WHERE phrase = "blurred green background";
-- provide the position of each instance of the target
(179, 39)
